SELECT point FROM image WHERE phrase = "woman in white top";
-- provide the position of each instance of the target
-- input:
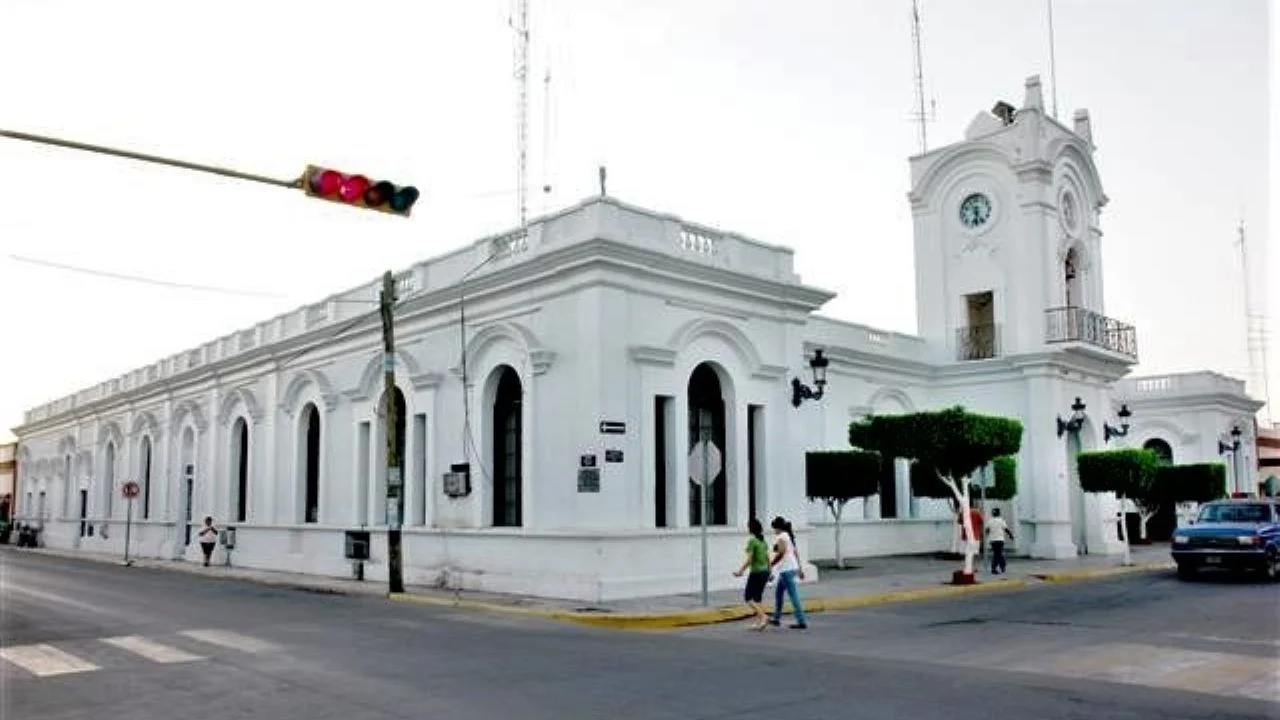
(208, 539)
(786, 562)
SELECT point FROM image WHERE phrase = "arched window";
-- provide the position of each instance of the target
(508, 461)
(1161, 449)
(707, 421)
(145, 471)
(109, 480)
(311, 463)
(240, 468)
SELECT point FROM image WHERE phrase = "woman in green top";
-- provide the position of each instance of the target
(757, 561)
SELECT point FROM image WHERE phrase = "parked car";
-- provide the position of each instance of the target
(1239, 533)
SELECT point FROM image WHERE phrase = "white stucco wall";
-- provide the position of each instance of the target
(599, 310)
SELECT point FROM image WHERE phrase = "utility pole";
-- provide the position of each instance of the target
(395, 481)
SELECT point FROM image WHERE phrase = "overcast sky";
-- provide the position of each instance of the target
(788, 122)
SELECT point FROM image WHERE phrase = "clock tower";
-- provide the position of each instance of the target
(1007, 232)
(1009, 288)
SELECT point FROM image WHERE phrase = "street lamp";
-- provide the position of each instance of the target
(1076, 422)
(1109, 432)
(1224, 448)
(801, 392)
(1234, 449)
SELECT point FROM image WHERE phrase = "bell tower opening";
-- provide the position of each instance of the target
(1071, 278)
(977, 339)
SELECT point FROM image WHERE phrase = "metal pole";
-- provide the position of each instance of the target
(1053, 68)
(706, 487)
(128, 523)
(295, 183)
(395, 481)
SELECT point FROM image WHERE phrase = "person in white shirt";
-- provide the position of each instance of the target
(208, 539)
(997, 531)
(786, 563)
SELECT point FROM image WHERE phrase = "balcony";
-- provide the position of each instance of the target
(977, 342)
(1078, 325)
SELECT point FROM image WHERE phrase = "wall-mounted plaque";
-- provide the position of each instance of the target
(588, 480)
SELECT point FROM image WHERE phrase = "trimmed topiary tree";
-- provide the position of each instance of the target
(953, 443)
(837, 476)
(1129, 473)
(1173, 484)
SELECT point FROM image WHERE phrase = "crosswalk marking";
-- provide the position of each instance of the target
(45, 660)
(227, 639)
(153, 651)
(1155, 666)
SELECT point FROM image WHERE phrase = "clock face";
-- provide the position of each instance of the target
(1069, 210)
(975, 211)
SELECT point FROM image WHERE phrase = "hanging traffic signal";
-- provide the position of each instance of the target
(358, 190)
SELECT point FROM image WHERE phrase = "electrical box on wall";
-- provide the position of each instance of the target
(457, 482)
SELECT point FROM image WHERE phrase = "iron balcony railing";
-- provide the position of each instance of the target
(977, 342)
(1076, 324)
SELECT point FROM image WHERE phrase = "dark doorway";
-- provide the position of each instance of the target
(707, 420)
(755, 418)
(84, 513)
(888, 489)
(507, 442)
(312, 464)
(241, 434)
(146, 477)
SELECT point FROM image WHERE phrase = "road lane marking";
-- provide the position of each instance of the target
(228, 639)
(152, 651)
(45, 660)
(14, 588)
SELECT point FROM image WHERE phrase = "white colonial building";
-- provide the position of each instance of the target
(552, 381)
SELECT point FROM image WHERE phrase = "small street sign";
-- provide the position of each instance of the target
(613, 427)
(129, 490)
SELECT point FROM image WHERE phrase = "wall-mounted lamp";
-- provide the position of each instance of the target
(1109, 432)
(801, 392)
(1224, 448)
(1077, 419)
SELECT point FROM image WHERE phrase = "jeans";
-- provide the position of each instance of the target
(787, 584)
(998, 563)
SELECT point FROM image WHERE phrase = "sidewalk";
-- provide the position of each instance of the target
(864, 582)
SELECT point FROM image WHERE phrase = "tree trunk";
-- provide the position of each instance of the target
(962, 497)
(837, 510)
(1142, 527)
(1124, 532)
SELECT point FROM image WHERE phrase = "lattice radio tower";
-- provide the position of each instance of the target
(920, 115)
(1255, 327)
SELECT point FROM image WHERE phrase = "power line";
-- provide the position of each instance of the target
(141, 279)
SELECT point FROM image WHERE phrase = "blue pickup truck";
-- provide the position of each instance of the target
(1238, 534)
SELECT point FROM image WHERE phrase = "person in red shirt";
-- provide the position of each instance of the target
(975, 518)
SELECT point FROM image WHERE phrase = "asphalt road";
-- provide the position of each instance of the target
(88, 640)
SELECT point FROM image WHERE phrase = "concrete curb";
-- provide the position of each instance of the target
(1070, 576)
(710, 616)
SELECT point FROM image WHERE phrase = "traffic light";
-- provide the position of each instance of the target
(359, 190)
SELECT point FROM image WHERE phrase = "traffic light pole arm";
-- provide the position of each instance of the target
(294, 184)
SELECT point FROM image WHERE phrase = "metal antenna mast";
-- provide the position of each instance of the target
(1255, 327)
(920, 115)
(1053, 68)
(521, 27)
